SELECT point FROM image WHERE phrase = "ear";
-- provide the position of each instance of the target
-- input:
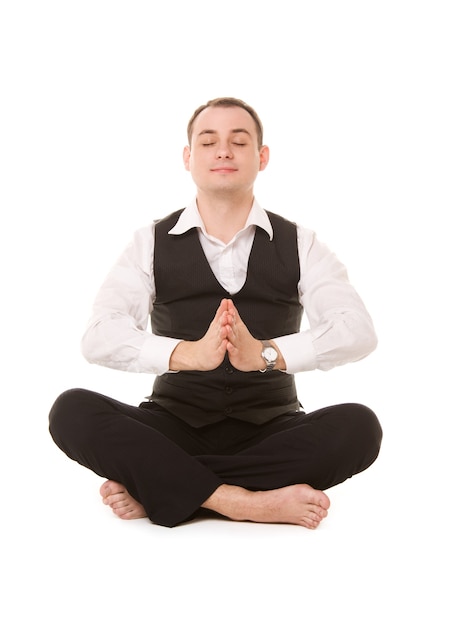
(186, 156)
(264, 154)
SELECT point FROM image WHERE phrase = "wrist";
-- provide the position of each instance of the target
(182, 357)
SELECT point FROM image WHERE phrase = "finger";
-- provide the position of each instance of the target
(223, 305)
(232, 309)
(230, 334)
(220, 310)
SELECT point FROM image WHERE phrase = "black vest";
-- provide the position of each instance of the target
(187, 296)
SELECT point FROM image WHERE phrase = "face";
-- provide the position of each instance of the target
(224, 154)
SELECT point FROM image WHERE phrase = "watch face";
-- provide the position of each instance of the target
(270, 354)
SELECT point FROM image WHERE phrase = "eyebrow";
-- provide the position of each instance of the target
(234, 131)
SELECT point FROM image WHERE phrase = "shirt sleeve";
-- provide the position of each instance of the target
(340, 328)
(117, 334)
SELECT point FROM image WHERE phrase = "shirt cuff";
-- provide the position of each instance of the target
(298, 352)
(155, 354)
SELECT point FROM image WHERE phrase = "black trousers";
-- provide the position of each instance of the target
(172, 468)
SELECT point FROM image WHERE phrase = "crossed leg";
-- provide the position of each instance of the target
(269, 482)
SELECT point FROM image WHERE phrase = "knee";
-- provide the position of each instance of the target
(366, 430)
(65, 412)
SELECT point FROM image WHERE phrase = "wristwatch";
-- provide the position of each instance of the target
(269, 354)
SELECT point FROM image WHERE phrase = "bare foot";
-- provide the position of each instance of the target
(123, 505)
(297, 504)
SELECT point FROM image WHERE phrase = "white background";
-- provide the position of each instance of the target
(359, 103)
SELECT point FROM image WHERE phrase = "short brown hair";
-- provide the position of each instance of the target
(227, 102)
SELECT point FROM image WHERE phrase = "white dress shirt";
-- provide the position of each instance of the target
(340, 328)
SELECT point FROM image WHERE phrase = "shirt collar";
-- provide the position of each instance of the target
(190, 218)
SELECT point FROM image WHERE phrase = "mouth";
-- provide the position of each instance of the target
(223, 170)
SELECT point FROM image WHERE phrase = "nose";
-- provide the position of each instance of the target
(224, 151)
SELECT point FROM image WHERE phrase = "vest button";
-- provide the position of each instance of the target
(228, 410)
(229, 370)
(228, 390)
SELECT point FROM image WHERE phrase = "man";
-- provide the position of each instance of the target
(224, 284)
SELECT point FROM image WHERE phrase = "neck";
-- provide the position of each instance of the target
(224, 216)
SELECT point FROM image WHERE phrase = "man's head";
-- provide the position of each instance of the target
(227, 103)
(225, 151)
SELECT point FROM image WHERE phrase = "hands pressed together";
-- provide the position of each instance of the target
(227, 333)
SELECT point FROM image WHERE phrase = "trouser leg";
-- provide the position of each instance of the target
(114, 441)
(321, 449)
